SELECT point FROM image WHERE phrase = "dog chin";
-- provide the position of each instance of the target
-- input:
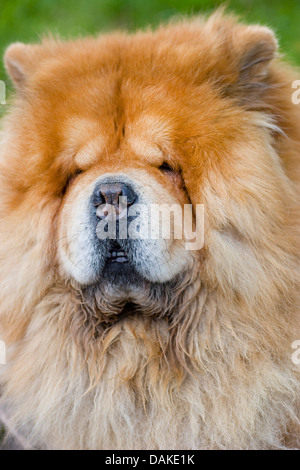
(121, 282)
(116, 297)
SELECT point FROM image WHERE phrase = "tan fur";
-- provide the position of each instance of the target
(210, 365)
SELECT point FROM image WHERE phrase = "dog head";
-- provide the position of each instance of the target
(182, 117)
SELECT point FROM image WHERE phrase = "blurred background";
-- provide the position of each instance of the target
(27, 20)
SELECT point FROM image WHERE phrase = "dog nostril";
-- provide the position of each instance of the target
(129, 194)
(98, 199)
(109, 193)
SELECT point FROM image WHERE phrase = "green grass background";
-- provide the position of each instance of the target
(27, 20)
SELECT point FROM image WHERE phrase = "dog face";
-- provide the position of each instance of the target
(117, 117)
(133, 119)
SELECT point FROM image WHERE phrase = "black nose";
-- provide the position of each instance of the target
(109, 193)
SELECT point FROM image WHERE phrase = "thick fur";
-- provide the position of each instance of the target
(206, 361)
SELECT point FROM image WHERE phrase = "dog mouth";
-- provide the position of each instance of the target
(119, 270)
(116, 255)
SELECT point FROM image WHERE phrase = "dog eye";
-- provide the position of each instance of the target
(70, 180)
(165, 167)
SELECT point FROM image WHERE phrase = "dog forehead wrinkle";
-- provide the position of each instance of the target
(141, 147)
(150, 134)
(86, 140)
(76, 128)
(90, 152)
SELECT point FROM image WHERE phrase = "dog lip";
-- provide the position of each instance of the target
(117, 255)
(118, 258)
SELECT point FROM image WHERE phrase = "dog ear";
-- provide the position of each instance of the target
(258, 48)
(254, 47)
(20, 61)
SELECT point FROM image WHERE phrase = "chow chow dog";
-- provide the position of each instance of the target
(141, 343)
